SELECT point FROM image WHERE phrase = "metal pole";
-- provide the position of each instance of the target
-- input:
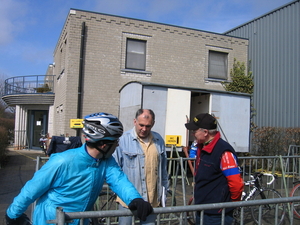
(285, 186)
(60, 216)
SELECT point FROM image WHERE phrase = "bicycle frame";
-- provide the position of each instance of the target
(257, 186)
(262, 192)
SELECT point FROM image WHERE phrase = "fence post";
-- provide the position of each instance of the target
(285, 186)
(60, 216)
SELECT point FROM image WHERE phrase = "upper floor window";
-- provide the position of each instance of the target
(218, 65)
(136, 54)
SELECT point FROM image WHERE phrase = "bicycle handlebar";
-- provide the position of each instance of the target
(272, 178)
(259, 175)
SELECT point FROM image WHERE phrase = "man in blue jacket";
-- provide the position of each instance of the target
(142, 156)
(74, 178)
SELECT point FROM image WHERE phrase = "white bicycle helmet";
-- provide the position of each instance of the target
(102, 126)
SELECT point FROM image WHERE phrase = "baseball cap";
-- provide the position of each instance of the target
(203, 120)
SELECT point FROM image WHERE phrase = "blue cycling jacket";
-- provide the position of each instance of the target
(71, 180)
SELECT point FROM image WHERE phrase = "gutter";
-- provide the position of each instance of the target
(80, 78)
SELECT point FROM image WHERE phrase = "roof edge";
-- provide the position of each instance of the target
(183, 88)
(148, 21)
(257, 18)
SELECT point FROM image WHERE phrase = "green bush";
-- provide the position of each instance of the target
(3, 143)
(6, 125)
(241, 81)
(274, 140)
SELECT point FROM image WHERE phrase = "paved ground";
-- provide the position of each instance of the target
(18, 169)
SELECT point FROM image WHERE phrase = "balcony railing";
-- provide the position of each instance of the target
(34, 84)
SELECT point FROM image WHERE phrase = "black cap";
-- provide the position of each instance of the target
(203, 120)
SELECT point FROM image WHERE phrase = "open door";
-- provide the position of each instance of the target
(38, 121)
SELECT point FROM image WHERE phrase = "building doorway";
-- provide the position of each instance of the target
(38, 124)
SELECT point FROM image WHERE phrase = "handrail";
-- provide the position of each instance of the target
(180, 162)
(32, 84)
(62, 217)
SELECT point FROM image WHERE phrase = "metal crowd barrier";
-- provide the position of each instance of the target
(62, 217)
(286, 167)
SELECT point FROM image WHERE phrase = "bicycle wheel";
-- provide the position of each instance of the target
(191, 216)
(45, 148)
(171, 200)
(268, 215)
(296, 192)
(236, 215)
(168, 218)
(105, 201)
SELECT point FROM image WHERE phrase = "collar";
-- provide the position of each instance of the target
(85, 148)
(136, 137)
(210, 146)
(142, 140)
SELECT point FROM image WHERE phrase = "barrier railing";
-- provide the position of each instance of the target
(29, 84)
(62, 217)
(286, 167)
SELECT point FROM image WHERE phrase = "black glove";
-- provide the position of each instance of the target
(143, 208)
(22, 220)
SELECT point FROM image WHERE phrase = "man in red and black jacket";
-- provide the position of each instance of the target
(217, 176)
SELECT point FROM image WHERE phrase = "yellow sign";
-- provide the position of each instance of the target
(173, 140)
(76, 123)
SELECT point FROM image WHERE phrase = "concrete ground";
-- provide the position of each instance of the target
(17, 170)
(20, 167)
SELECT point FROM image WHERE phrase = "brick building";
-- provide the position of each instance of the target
(97, 54)
(117, 50)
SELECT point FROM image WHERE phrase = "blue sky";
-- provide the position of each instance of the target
(29, 29)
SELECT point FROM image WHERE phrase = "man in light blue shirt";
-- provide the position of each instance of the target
(142, 156)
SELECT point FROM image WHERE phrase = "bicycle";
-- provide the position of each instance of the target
(191, 216)
(107, 201)
(268, 211)
(296, 192)
(42, 142)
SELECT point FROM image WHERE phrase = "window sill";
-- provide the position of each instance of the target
(136, 71)
(215, 80)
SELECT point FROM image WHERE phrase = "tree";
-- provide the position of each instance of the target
(241, 82)
(6, 123)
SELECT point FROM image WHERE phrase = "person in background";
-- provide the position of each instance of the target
(63, 143)
(193, 149)
(73, 179)
(142, 156)
(217, 175)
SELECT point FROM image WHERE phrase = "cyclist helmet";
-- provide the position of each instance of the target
(102, 126)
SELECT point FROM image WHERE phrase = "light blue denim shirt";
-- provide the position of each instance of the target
(131, 158)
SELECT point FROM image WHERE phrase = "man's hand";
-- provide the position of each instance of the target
(22, 220)
(143, 208)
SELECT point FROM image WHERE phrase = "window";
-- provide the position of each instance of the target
(136, 54)
(217, 67)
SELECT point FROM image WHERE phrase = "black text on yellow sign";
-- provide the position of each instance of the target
(173, 140)
(76, 123)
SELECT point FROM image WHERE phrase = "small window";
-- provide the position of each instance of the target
(217, 67)
(136, 54)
